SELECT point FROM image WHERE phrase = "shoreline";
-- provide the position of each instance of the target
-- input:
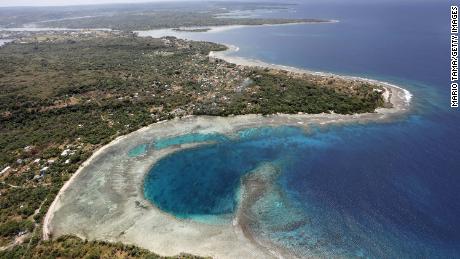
(213, 28)
(107, 211)
(49, 214)
(110, 183)
(99, 201)
(163, 32)
(399, 107)
(221, 28)
(241, 61)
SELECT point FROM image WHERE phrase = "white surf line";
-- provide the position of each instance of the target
(259, 63)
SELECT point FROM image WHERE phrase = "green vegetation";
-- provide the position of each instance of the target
(131, 22)
(64, 95)
(73, 247)
(281, 93)
(141, 16)
(11, 228)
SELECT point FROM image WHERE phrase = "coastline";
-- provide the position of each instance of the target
(361, 180)
(399, 106)
(49, 214)
(110, 183)
(225, 55)
(211, 29)
(158, 33)
(222, 28)
(98, 202)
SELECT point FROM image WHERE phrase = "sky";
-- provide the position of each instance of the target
(4, 3)
(67, 2)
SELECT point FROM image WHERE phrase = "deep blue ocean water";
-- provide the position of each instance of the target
(378, 190)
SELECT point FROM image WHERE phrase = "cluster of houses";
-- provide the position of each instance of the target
(43, 165)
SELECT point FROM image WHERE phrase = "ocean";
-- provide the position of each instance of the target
(376, 190)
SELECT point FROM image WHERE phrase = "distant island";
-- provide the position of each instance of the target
(145, 16)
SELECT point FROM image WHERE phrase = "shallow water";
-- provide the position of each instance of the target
(188, 138)
(358, 196)
(375, 190)
(138, 150)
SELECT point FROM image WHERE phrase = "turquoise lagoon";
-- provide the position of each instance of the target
(376, 190)
(358, 190)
